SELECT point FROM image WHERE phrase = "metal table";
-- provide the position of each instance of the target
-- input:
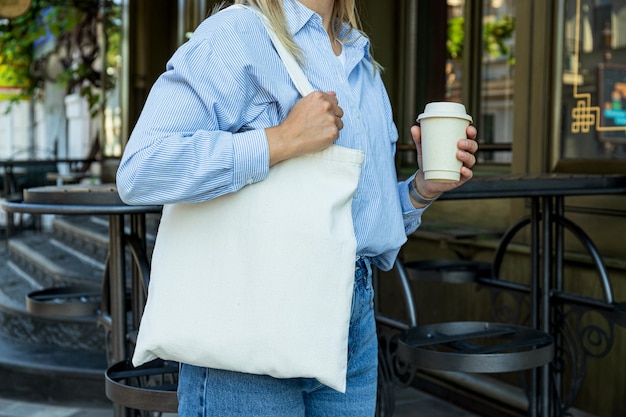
(104, 200)
(10, 167)
(547, 222)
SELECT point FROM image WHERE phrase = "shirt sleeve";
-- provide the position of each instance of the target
(191, 143)
(412, 216)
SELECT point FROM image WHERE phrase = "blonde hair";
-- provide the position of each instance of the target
(344, 11)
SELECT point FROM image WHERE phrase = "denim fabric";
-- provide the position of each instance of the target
(204, 392)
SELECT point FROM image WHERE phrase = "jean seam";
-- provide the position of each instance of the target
(204, 392)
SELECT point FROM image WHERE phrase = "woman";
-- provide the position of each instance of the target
(235, 113)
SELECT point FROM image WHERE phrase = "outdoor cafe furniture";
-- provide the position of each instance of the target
(547, 222)
(21, 174)
(121, 306)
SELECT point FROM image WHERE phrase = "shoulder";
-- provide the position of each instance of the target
(228, 26)
(232, 39)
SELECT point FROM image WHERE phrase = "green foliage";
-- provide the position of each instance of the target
(64, 32)
(16, 40)
(495, 35)
(456, 37)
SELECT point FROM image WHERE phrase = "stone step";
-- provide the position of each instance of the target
(53, 358)
(16, 322)
(43, 260)
(58, 360)
(46, 265)
(50, 263)
(41, 373)
(87, 235)
(65, 332)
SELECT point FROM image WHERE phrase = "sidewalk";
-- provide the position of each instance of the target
(409, 403)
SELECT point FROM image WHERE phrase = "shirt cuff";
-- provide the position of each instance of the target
(251, 157)
(408, 209)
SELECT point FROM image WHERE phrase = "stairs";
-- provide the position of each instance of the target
(54, 357)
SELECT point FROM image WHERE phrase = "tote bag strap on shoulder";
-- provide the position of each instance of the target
(293, 68)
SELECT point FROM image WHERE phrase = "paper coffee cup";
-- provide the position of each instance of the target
(443, 124)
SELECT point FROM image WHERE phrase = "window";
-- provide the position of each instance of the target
(593, 80)
(496, 56)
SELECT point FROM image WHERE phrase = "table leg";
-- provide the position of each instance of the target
(544, 305)
(138, 297)
(117, 283)
(535, 245)
(557, 284)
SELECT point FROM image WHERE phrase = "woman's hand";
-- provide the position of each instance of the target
(312, 125)
(465, 153)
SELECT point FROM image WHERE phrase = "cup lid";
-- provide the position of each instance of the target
(445, 109)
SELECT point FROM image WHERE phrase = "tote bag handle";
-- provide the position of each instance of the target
(293, 68)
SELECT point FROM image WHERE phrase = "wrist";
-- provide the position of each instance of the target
(277, 146)
(418, 197)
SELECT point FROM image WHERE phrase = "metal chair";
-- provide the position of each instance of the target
(147, 388)
(463, 346)
(151, 387)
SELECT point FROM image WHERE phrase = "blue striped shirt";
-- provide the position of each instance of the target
(201, 132)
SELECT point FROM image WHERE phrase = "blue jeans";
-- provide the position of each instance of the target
(204, 392)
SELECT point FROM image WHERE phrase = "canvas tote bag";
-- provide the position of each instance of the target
(260, 280)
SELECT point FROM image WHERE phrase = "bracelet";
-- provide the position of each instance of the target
(415, 195)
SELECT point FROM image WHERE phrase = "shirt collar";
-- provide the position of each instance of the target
(298, 15)
(353, 39)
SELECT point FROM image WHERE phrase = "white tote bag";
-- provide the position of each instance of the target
(260, 281)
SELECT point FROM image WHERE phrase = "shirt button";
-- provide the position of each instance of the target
(249, 181)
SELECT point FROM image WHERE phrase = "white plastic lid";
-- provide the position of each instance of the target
(445, 109)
